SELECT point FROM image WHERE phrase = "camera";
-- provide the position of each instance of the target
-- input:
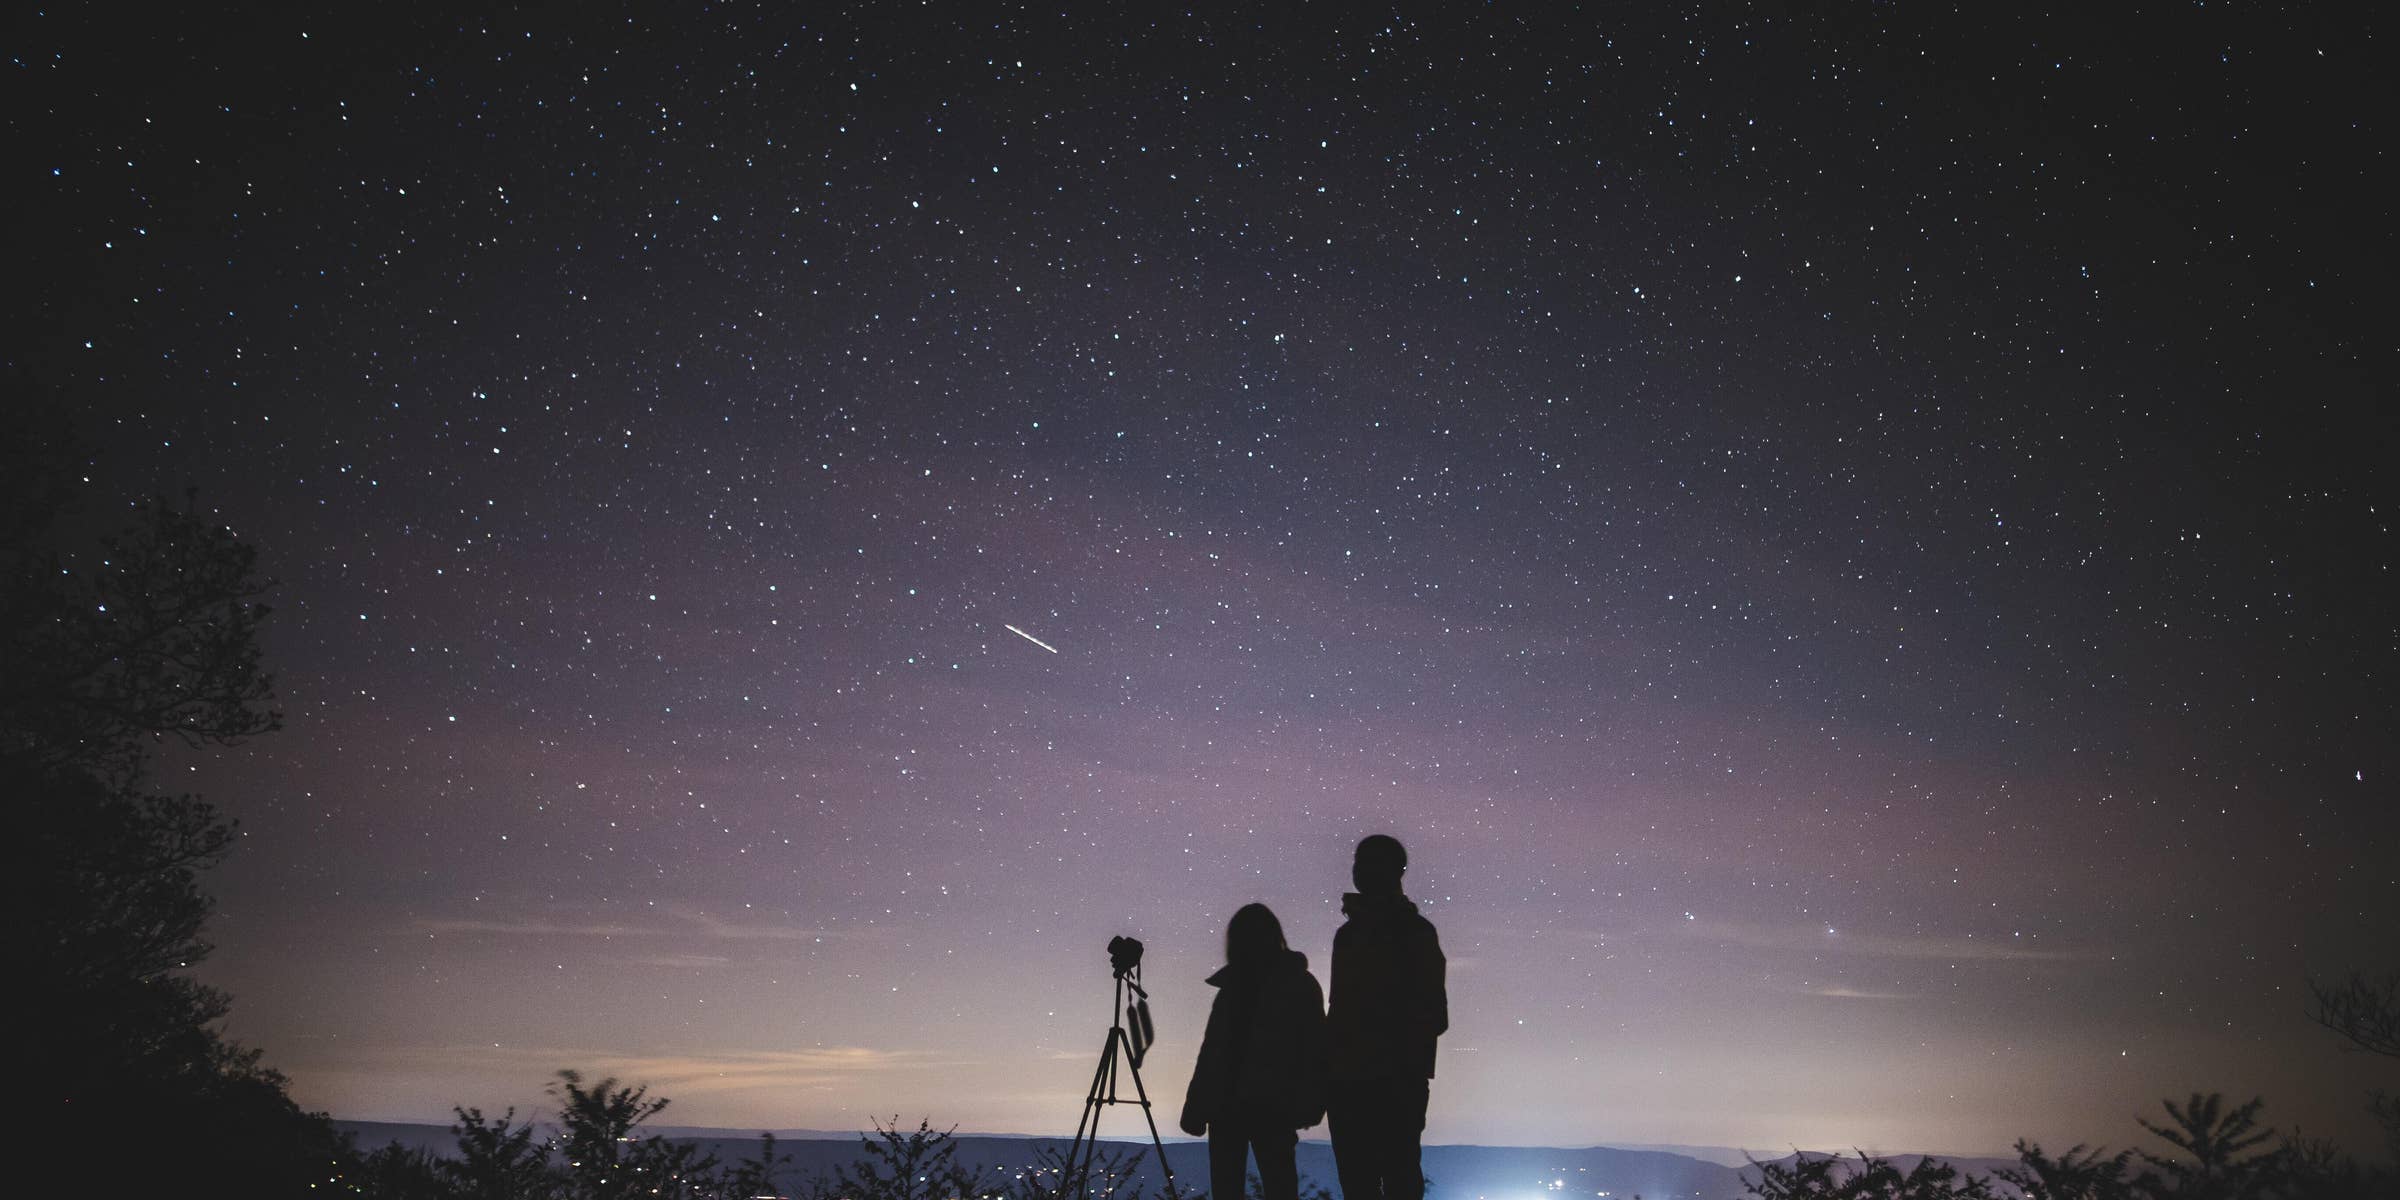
(1124, 955)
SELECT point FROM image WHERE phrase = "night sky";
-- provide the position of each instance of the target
(1854, 546)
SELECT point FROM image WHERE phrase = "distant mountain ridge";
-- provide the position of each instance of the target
(1452, 1172)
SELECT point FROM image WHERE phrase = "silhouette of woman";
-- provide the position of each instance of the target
(1261, 1074)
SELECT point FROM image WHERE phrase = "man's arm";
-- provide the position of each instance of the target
(1432, 970)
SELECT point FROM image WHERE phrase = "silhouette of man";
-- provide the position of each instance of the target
(1387, 1007)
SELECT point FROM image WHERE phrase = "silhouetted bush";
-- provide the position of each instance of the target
(2081, 1173)
(598, 1153)
(2365, 1011)
(918, 1165)
(2214, 1153)
(1833, 1177)
(2217, 1147)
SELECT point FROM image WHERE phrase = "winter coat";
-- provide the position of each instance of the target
(1262, 1058)
(1389, 1001)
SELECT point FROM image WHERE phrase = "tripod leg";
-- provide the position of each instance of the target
(1075, 1174)
(1156, 1143)
(1093, 1098)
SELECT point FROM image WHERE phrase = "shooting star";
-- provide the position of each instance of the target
(1029, 637)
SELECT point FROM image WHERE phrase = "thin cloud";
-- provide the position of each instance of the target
(687, 924)
(684, 1075)
(1817, 939)
(693, 962)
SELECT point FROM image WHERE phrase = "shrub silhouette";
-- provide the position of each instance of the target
(2079, 1174)
(2217, 1162)
(2214, 1153)
(1111, 1174)
(2365, 1011)
(599, 1152)
(1833, 1177)
(497, 1159)
(918, 1165)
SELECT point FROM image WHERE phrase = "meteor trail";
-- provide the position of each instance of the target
(1029, 637)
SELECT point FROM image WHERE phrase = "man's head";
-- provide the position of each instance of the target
(1377, 867)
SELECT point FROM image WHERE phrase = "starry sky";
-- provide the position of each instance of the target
(1854, 545)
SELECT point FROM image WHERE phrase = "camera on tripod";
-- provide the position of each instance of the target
(1125, 958)
(1125, 955)
(1130, 1034)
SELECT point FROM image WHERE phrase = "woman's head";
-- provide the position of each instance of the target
(1253, 936)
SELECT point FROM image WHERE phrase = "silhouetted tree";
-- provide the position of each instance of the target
(1833, 1177)
(1112, 1173)
(2218, 1153)
(153, 634)
(918, 1165)
(2365, 1011)
(600, 1153)
(2079, 1174)
(498, 1159)
(2217, 1160)
(397, 1172)
(607, 1159)
(2316, 1170)
(1047, 1177)
(755, 1176)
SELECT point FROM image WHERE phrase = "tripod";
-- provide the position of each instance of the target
(1075, 1176)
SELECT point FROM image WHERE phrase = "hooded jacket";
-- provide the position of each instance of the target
(1262, 1058)
(1389, 999)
